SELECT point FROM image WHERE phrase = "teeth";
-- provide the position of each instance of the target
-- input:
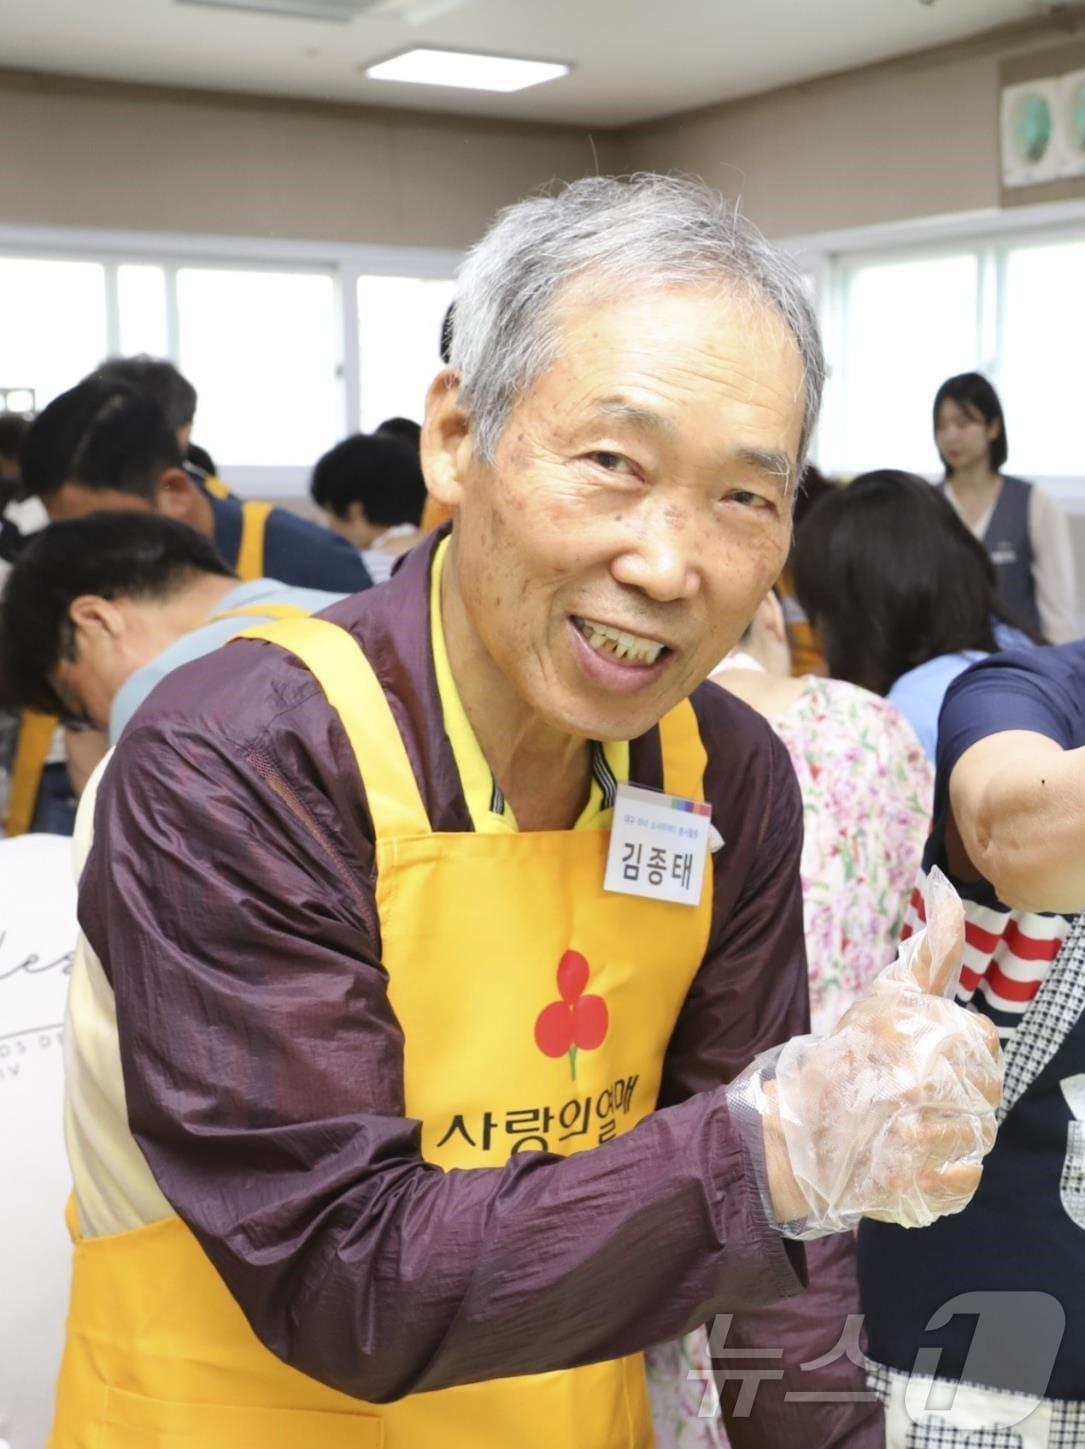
(618, 643)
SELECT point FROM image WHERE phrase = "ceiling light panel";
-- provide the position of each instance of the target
(466, 71)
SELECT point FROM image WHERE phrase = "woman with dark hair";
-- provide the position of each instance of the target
(1020, 525)
(903, 596)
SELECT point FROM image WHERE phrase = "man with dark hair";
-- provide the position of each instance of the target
(98, 609)
(405, 429)
(107, 445)
(174, 394)
(372, 492)
(160, 380)
(13, 428)
(104, 444)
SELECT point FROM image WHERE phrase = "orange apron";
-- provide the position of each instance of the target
(36, 733)
(250, 554)
(485, 937)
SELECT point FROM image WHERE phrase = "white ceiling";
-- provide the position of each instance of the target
(634, 59)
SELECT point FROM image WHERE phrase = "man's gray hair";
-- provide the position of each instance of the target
(627, 234)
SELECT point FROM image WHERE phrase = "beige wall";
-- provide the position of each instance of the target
(911, 138)
(134, 157)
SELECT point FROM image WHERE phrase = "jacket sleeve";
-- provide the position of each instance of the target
(264, 1078)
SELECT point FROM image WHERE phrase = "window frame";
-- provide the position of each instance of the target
(832, 259)
(345, 263)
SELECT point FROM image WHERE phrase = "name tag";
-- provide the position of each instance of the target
(658, 846)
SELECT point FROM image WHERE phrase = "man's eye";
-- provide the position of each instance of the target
(745, 499)
(611, 462)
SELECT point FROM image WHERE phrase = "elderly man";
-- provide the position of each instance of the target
(396, 911)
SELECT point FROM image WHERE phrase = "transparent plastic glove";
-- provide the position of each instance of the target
(890, 1115)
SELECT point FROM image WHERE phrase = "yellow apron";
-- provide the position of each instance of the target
(536, 1011)
(36, 733)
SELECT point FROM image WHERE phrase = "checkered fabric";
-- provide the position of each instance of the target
(1067, 1429)
(1057, 1006)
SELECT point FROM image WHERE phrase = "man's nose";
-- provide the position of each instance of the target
(662, 561)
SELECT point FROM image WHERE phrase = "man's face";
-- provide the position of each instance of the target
(637, 509)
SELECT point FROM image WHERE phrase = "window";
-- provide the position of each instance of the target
(54, 327)
(1009, 305)
(261, 348)
(290, 346)
(399, 322)
(141, 305)
(909, 325)
(1040, 366)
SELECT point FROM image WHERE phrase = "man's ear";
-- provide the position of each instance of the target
(97, 617)
(446, 442)
(177, 496)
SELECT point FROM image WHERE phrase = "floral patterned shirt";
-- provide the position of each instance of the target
(867, 792)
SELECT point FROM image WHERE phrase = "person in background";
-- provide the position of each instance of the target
(1009, 831)
(405, 429)
(1020, 525)
(902, 596)
(372, 492)
(807, 655)
(171, 390)
(104, 445)
(867, 790)
(98, 609)
(13, 428)
(110, 445)
(200, 459)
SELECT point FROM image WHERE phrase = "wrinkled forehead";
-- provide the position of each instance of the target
(631, 353)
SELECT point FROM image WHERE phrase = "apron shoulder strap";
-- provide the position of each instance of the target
(262, 611)
(346, 676)
(250, 556)
(684, 755)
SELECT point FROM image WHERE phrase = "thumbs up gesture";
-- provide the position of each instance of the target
(890, 1115)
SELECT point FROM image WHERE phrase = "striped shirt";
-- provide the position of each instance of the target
(1007, 953)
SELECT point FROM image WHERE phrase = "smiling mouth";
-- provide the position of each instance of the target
(614, 643)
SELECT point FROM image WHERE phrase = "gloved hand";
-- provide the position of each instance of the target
(890, 1115)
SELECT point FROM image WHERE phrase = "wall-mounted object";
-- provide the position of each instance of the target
(1032, 143)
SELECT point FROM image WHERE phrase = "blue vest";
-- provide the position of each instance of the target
(1024, 1231)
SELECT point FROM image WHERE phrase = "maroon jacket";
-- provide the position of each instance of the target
(230, 896)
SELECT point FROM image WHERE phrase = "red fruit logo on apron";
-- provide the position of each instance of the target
(577, 1022)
